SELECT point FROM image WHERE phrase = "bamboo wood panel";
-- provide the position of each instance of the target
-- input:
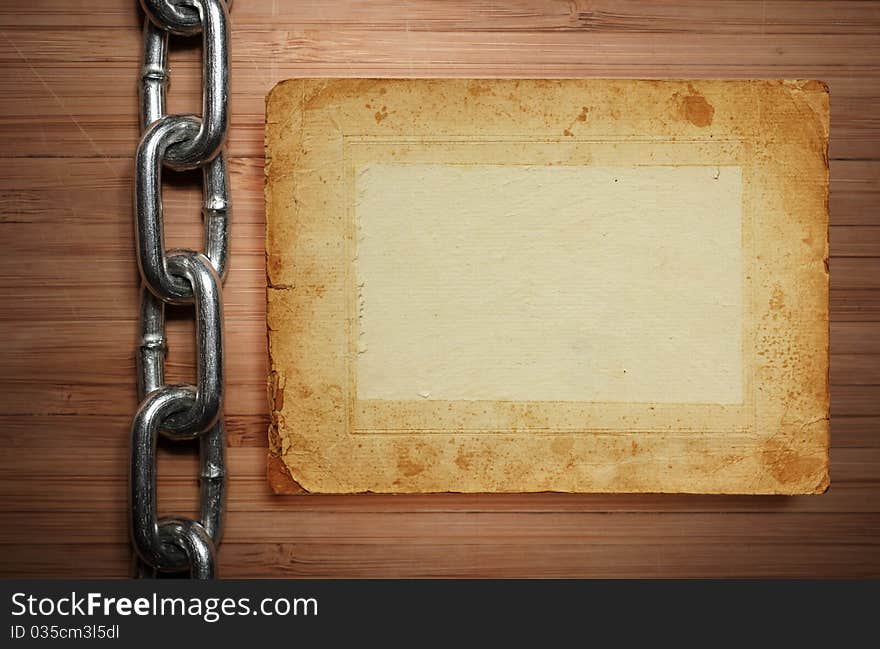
(68, 285)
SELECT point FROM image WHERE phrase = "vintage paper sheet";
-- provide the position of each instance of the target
(527, 285)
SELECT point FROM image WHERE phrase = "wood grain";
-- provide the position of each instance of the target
(68, 287)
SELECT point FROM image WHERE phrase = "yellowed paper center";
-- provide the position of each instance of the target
(549, 283)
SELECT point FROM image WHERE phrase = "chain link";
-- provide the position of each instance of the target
(175, 544)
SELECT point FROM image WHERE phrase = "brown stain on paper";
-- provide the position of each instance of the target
(414, 461)
(478, 89)
(408, 467)
(279, 478)
(794, 469)
(694, 108)
(464, 459)
(581, 117)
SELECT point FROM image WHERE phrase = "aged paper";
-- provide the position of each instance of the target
(511, 285)
(551, 283)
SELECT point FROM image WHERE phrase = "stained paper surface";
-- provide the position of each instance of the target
(510, 285)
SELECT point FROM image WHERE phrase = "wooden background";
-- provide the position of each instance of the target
(68, 285)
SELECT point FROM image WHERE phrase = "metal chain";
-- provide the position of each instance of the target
(176, 544)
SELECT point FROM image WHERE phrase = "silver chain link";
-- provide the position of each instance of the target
(175, 544)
